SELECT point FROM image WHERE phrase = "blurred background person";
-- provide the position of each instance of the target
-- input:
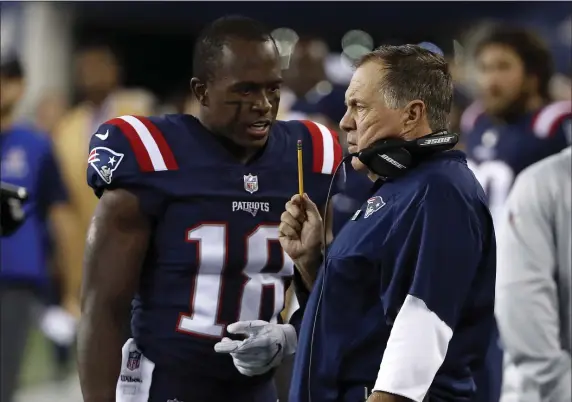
(25, 273)
(305, 80)
(51, 107)
(98, 78)
(180, 101)
(513, 123)
(533, 293)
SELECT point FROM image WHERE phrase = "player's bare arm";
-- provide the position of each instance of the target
(116, 245)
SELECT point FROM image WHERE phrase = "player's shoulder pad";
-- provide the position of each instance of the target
(326, 151)
(549, 119)
(130, 137)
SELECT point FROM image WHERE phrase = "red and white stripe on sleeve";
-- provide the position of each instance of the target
(546, 122)
(326, 148)
(151, 151)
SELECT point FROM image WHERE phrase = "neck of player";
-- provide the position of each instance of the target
(534, 103)
(242, 154)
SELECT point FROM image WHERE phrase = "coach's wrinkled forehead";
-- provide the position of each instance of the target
(365, 84)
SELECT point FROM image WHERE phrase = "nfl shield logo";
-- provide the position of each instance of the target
(134, 360)
(251, 183)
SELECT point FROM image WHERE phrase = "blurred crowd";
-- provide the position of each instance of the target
(45, 295)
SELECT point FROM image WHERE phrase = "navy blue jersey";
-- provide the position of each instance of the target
(498, 152)
(417, 263)
(214, 256)
(28, 161)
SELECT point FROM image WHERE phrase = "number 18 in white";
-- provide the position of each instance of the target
(212, 252)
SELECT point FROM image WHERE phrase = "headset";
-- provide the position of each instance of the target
(389, 159)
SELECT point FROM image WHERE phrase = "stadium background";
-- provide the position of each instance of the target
(154, 43)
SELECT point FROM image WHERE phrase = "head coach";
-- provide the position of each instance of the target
(401, 305)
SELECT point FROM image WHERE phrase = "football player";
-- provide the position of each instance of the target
(513, 124)
(187, 229)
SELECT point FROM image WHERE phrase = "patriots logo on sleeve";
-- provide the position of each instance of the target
(105, 162)
(373, 204)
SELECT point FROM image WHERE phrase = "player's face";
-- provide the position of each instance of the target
(243, 98)
(97, 72)
(11, 90)
(367, 118)
(501, 78)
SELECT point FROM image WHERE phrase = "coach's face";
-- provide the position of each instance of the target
(242, 98)
(367, 117)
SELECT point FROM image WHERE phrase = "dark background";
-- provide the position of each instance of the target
(156, 38)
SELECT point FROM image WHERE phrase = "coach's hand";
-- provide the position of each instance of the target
(301, 230)
(264, 347)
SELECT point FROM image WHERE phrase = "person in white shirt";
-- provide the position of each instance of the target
(533, 296)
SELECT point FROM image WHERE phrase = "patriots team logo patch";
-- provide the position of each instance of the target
(134, 360)
(251, 183)
(105, 162)
(373, 204)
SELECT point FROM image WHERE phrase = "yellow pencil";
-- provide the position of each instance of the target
(300, 169)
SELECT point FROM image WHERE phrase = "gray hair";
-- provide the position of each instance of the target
(414, 73)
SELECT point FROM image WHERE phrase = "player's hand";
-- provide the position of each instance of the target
(264, 347)
(301, 229)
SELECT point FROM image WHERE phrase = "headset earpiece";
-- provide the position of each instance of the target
(389, 163)
(391, 158)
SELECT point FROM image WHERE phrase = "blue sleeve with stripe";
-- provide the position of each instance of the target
(112, 163)
(322, 153)
(554, 123)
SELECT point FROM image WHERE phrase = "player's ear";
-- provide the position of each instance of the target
(413, 113)
(199, 90)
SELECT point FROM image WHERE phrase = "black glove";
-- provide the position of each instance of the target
(11, 212)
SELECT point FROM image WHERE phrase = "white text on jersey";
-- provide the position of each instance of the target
(252, 207)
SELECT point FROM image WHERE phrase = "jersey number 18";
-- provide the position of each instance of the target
(211, 239)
